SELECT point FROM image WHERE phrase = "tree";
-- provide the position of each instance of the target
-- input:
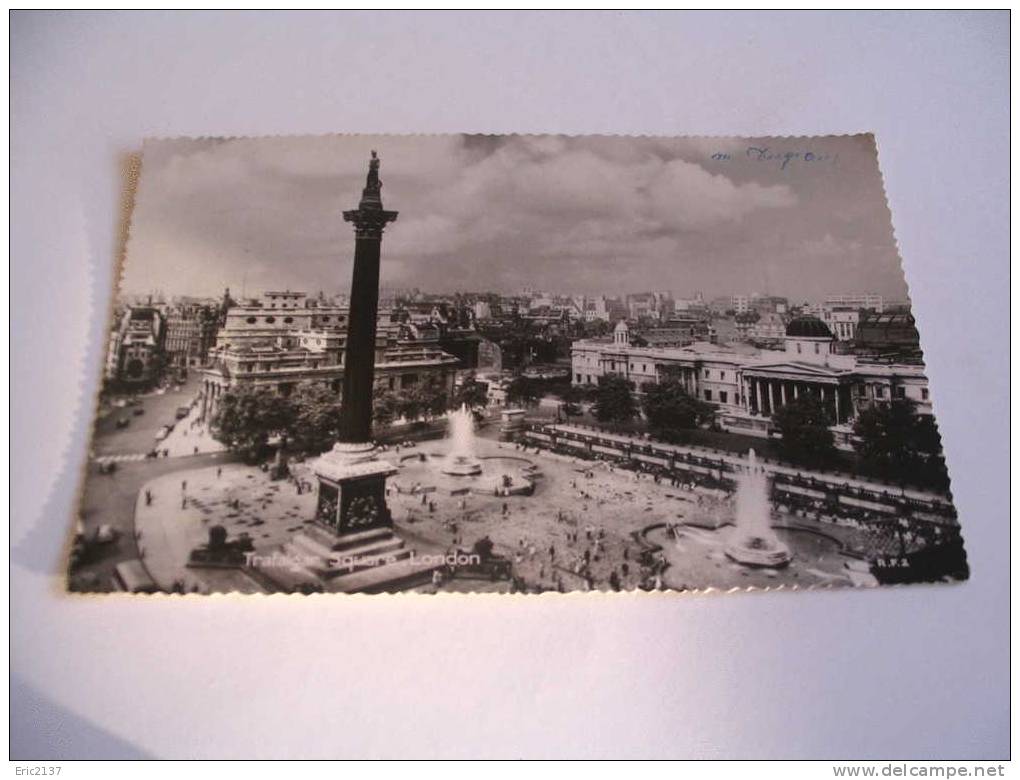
(572, 397)
(248, 416)
(386, 407)
(435, 399)
(895, 442)
(471, 393)
(426, 400)
(804, 424)
(613, 400)
(523, 391)
(671, 410)
(315, 422)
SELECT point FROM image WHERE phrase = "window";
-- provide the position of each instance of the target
(879, 391)
(707, 373)
(722, 375)
(708, 395)
(901, 392)
(250, 320)
(270, 320)
(288, 320)
(816, 347)
(578, 379)
(924, 393)
(723, 396)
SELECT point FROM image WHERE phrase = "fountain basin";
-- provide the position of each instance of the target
(486, 475)
(461, 466)
(758, 552)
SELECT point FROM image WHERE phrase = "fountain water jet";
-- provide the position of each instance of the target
(754, 542)
(461, 462)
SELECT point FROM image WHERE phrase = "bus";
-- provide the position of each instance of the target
(132, 577)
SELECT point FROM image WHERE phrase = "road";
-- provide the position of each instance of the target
(139, 437)
(110, 498)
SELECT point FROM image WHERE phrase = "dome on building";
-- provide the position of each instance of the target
(621, 327)
(808, 328)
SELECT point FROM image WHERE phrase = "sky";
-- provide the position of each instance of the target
(799, 217)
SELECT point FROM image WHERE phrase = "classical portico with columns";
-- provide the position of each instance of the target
(768, 387)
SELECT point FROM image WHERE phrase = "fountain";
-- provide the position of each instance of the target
(461, 462)
(468, 464)
(754, 543)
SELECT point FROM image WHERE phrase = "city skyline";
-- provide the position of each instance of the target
(238, 294)
(719, 216)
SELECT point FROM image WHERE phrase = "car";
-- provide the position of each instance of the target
(123, 422)
(162, 433)
(182, 412)
(138, 411)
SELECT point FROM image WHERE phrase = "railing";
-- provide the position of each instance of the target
(677, 455)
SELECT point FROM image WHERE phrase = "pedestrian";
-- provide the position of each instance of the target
(184, 502)
(219, 470)
(552, 552)
(148, 497)
(184, 485)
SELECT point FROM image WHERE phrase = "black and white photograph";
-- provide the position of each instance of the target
(526, 364)
(510, 386)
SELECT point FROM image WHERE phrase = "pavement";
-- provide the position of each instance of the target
(110, 499)
(185, 504)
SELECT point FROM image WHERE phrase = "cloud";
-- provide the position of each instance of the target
(479, 213)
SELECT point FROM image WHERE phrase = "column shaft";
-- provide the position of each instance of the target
(359, 352)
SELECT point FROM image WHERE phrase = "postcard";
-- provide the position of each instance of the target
(526, 364)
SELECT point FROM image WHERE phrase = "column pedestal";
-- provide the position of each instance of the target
(352, 489)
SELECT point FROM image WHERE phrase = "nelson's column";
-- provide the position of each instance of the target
(352, 481)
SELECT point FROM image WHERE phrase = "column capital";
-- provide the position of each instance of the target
(369, 223)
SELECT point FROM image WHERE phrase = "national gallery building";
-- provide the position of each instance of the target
(747, 385)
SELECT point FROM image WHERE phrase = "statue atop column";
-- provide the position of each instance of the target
(369, 218)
